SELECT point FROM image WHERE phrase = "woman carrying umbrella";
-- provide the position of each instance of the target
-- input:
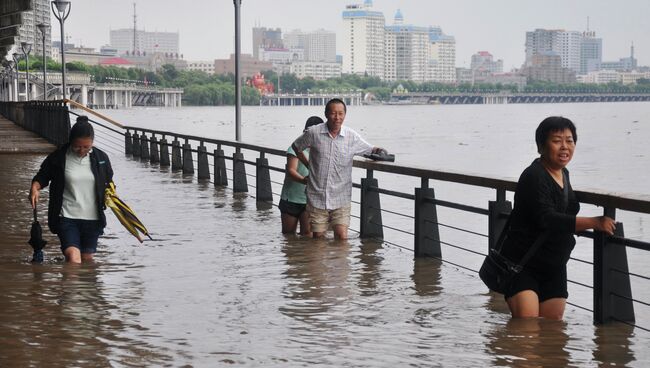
(78, 175)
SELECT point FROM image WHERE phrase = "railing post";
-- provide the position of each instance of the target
(263, 190)
(144, 146)
(427, 234)
(239, 172)
(371, 225)
(164, 152)
(203, 166)
(499, 211)
(220, 173)
(188, 161)
(177, 160)
(155, 156)
(611, 276)
(128, 143)
(136, 144)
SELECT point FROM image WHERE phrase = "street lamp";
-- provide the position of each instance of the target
(237, 4)
(59, 8)
(17, 69)
(27, 48)
(43, 28)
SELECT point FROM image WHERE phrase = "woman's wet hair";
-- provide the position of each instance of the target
(82, 129)
(550, 125)
(332, 102)
(313, 120)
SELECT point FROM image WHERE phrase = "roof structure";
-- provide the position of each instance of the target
(115, 61)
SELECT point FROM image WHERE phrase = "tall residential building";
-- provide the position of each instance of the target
(28, 32)
(406, 51)
(266, 38)
(363, 40)
(145, 42)
(484, 61)
(566, 44)
(442, 57)
(319, 45)
(591, 52)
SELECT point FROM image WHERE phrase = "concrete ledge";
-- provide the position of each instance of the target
(14, 139)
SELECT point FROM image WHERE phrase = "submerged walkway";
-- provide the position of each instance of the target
(14, 139)
(221, 286)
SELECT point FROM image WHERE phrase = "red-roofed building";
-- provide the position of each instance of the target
(117, 61)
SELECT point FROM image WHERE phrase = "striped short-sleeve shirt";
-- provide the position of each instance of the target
(330, 164)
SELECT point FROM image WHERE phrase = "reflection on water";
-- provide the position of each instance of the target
(526, 342)
(221, 285)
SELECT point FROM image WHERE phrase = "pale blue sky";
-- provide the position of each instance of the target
(207, 26)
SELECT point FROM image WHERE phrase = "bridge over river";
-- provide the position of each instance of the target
(220, 285)
(464, 98)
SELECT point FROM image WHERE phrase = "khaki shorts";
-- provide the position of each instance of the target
(321, 219)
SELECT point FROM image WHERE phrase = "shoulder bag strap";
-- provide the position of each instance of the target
(542, 237)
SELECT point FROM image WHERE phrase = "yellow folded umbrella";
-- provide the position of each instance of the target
(124, 213)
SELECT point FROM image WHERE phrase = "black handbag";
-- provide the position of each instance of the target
(497, 272)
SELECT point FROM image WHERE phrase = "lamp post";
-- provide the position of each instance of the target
(27, 48)
(43, 28)
(61, 11)
(237, 4)
(16, 59)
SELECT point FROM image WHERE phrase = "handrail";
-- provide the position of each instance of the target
(623, 201)
(91, 111)
(240, 145)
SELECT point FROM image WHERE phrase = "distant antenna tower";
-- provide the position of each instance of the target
(587, 23)
(135, 20)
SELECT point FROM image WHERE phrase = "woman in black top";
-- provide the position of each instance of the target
(78, 174)
(542, 207)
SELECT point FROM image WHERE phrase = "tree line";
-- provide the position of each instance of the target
(203, 89)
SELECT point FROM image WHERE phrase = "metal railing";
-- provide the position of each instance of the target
(49, 119)
(205, 159)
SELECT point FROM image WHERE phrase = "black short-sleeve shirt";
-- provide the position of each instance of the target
(540, 206)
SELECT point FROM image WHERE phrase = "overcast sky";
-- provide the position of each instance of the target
(206, 27)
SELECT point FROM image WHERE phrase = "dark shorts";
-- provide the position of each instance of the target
(547, 283)
(81, 234)
(291, 208)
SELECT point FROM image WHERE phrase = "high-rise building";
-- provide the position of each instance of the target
(484, 61)
(591, 52)
(406, 51)
(319, 45)
(442, 57)
(266, 38)
(30, 33)
(363, 40)
(145, 42)
(566, 44)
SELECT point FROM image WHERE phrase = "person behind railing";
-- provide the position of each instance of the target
(293, 199)
(78, 175)
(542, 207)
(329, 185)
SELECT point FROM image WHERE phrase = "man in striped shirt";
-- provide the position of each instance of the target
(332, 148)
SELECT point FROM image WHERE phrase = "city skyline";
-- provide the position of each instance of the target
(502, 24)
